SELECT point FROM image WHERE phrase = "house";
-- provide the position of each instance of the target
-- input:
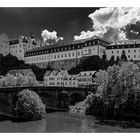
(24, 72)
(85, 78)
(70, 81)
(55, 77)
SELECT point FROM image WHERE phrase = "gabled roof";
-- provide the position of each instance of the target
(13, 42)
(55, 72)
(57, 45)
(70, 77)
(86, 73)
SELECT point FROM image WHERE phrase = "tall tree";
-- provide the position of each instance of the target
(123, 56)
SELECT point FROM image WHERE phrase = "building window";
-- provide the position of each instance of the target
(112, 52)
(78, 53)
(128, 56)
(69, 54)
(128, 51)
(117, 51)
(65, 55)
(134, 51)
(134, 56)
(61, 55)
(73, 54)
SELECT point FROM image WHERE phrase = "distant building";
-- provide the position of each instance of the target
(18, 47)
(70, 81)
(86, 78)
(55, 78)
(43, 56)
(24, 72)
(131, 48)
(4, 44)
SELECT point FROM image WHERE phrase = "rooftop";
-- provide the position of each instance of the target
(70, 43)
(86, 73)
(124, 42)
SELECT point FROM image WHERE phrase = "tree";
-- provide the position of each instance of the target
(104, 56)
(29, 106)
(112, 60)
(117, 59)
(123, 56)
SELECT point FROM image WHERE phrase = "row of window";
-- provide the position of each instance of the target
(65, 48)
(123, 46)
(127, 51)
(84, 79)
(15, 51)
(54, 57)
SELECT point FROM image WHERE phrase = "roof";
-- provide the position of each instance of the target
(86, 73)
(57, 45)
(55, 72)
(124, 42)
(13, 42)
(70, 77)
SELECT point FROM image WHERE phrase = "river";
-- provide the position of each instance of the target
(68, 122)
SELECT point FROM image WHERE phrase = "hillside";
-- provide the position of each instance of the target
(10, 62)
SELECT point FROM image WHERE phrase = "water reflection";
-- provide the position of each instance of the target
(34, 126)
(65, 122)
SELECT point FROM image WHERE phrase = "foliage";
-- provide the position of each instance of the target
(80, 107)
(118, 91)
(29, 106)
(10, 62)
(20, 80)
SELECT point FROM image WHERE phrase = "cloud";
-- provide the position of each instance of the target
(111, 22)
(134, 32)
(50, 36)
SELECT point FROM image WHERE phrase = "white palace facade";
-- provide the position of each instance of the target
(130, 47)
(64, 53)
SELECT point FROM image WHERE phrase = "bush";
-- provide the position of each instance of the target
(20, 80)
(29, 106)
(82, 106)
(118, 92)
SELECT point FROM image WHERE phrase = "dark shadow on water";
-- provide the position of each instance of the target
(119, 123)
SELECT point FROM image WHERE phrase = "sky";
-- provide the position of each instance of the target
(70, 24)
(65, 21)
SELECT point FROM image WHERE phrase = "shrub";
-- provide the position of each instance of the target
(118, 91)
(29, 106)
(82, 106)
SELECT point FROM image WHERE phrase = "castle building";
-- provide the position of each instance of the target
(131, 48)
(63, 55)
(18, 46)
(4, 44)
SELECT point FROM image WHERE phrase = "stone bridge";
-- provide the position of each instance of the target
(54, 98)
